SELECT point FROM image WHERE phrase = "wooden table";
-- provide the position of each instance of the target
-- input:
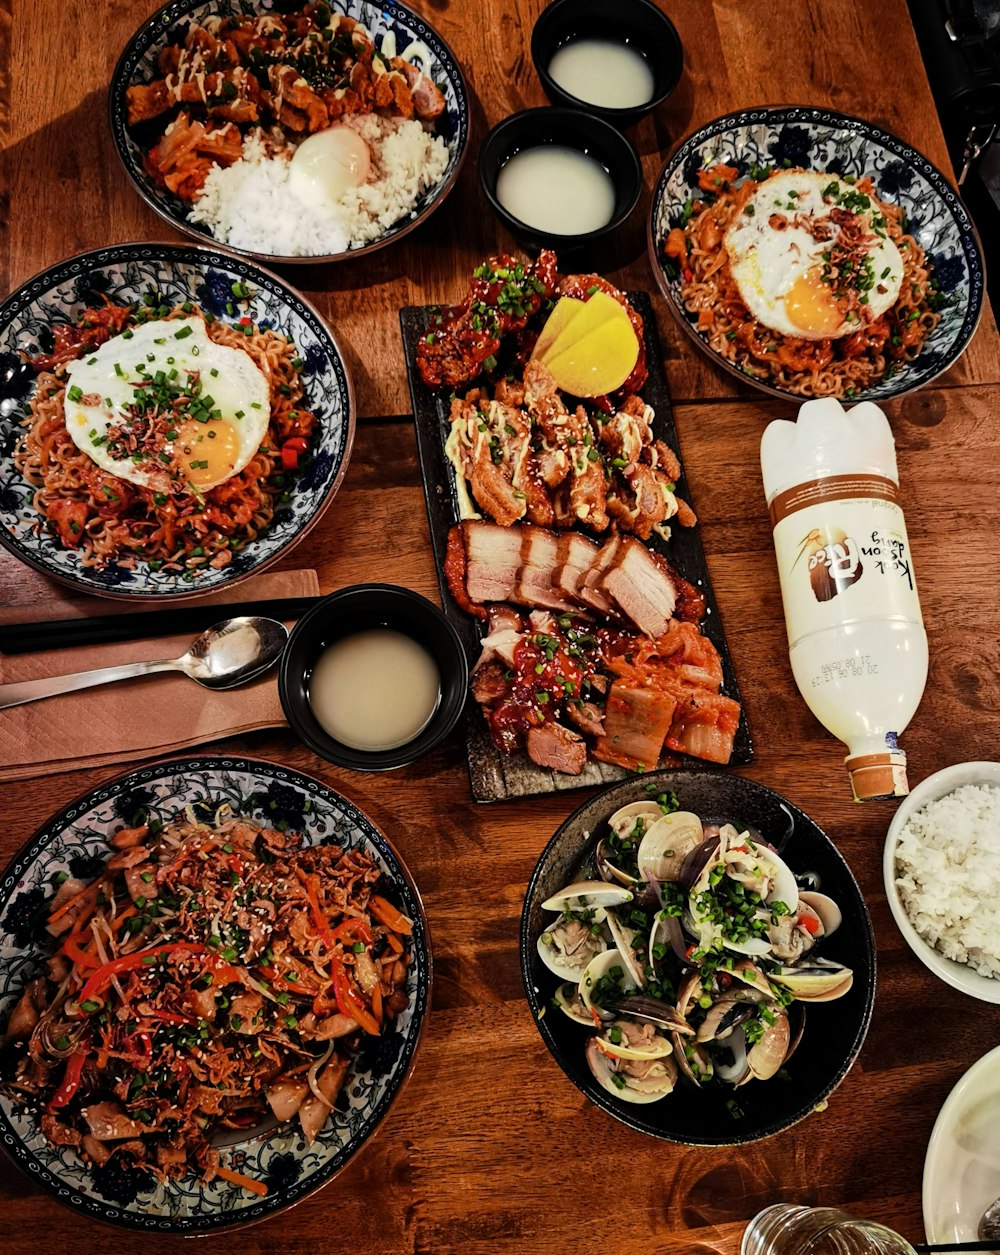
(490, 1147)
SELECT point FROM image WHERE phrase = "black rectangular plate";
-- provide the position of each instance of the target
(495, 776)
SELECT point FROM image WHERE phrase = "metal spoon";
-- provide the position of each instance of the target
(232, 652)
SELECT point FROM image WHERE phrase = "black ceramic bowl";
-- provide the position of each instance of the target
(356, 609)
(637, 23)
(563, 128)
(716, 1114)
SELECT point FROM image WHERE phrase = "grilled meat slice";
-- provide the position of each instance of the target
(639, 587)
(552, 745)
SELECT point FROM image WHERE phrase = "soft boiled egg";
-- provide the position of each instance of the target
(166, 407)
(780, 248)
(328, 164)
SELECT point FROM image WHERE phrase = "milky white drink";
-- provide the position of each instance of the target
(375, 690)
(556, 189)
(603, 73)
(855, 633)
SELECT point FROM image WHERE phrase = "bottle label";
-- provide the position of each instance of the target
(842, 553)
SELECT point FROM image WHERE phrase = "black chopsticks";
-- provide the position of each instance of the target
(23, 638)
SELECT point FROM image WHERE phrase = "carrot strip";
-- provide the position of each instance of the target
(90, 890)
(245, 1183)
(387, 914)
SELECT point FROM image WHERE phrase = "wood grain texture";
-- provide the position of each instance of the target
(490, 1148)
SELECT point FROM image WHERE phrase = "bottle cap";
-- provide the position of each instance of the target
(877, 776)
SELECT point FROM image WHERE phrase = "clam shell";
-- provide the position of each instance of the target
(622, 822)
(567, 998)
(818, 981)
(561, 964)
(666, 845)
(587, 894)
(767, 1055)
(599, 967)
(651, 1089)
(750, 974)
(693, 1060)
(623, 938)
(653, 1011)
(783, 887)
(658, 1048)
(829, 913)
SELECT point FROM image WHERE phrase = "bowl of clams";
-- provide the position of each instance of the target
(698, 957)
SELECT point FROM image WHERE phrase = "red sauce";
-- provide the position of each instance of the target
(463, 339)
(549, 672)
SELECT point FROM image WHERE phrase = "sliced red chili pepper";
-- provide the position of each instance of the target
(289, 458)
(128, 963)
(352, 929)
(319, 919)
(70, 1082)
(810, 923)
(71, 948)
(140, 1044)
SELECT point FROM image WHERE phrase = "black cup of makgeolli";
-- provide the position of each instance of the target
(373, 677)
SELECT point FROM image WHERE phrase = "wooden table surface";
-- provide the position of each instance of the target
(489, 1147)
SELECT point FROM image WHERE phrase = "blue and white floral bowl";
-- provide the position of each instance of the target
(75, 841)
(124, 274)
(396, 22)
(820, 139)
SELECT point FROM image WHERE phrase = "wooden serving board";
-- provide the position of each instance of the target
(494, 776)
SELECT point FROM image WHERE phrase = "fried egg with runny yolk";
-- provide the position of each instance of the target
(166, 407)
(784, 248)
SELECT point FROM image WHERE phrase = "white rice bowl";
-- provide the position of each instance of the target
(251, 204)
(947, 871)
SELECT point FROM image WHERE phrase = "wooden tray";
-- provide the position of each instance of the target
(495, 776)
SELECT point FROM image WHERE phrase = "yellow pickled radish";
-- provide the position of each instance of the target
(597, 353)
(566, 309)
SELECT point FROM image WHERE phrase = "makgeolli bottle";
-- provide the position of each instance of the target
(855, 634)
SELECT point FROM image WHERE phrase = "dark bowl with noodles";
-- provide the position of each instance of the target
(887, 324)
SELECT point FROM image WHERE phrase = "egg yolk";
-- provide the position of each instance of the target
(810, 306)
(206, 452)
(328, 164)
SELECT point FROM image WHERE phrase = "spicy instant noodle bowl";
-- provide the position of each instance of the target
(695, 251)
(182, 529)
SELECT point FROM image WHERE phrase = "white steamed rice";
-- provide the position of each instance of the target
(251, 205)
(948, 875)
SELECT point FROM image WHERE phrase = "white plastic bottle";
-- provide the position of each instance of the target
(855, 634)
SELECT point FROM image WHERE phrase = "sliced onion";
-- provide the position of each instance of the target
(313, 1074)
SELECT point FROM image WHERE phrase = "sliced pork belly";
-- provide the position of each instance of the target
(511, 564)
(552, 745)
(639, 587)
(536, 577)
(636, 721)
(492, 560)
(577, 556)
(590, 591)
